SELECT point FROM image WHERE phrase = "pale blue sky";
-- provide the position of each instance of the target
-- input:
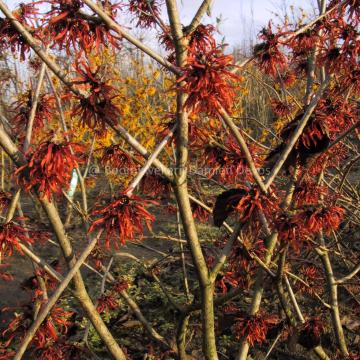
(241, 19)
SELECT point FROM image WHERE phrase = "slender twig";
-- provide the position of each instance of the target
(349, 276)
(120, 30)
(204, 7)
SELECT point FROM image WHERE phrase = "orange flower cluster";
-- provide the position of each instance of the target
(146, 12)
(226, 159)
(324, 219)
(309, 221)
(280, 108)
(153, 184)
(309, 193)
(247, 202)
(254, 327)
(208, 81)
(123, 218)
(70, 28)
(56, 324)
(106, 303)
(98, 108)
(270, 58)
(22, 109)
(115, 156)
(10, 37)
(50, 167)
(11, 235)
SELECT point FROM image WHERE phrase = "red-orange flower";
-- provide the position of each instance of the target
(255, 201)
(291, 231)
(309, 193)
(313, 277)
(320, 218)
(208, 81)
(56, 324)
(69, 27)
(50, 167)
(247, 202)
(98, 108)
(201, 39)
(153, 184)
(226, 160)
(11, 235)
(280, 108)
(254, 327)
(336, 112)
(106, 303)
(146, 11)
(268, 54)
(22, 109)
(123, 219)
(10, 36)
(116, 157)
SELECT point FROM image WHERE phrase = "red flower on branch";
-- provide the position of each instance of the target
(55, 325)
(68, 26)
(303, 42)
(281, 109)
(330, 158)
(316, 219)
(226, 160)
(123, 218)
(115, 156)
(98, 108)
(22, 109)
(199, 213)
(146, 12)
(201, 39)
(351, 79)
(255, 202)
(336, 112)
(62, 350)
(240, 265)
(291, 231)
(208, 81)
(9, 35)
(254, 327)
(106, 303)
(153, 184)
(50, 167)
(270, 58)
(11, 235)
(247, 202)
(340, 52)
(312, 275)
(309, 193)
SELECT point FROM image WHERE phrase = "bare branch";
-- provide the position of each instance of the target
(204, 7)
